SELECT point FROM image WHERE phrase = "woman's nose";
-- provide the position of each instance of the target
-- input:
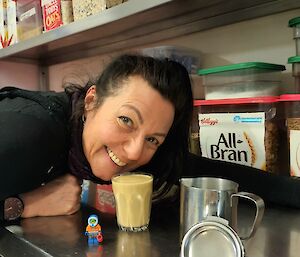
(134, 148)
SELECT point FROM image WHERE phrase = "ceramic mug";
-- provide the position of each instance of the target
(208, 196)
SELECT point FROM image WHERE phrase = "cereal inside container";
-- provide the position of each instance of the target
(85, 8)
(290, 104)
(67, 11)
(112, 3)
(242, 130)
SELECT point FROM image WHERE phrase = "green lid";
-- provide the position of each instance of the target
(294, 59)
(294, 22)
(244, 65)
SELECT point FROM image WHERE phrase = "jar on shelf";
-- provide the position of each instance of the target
(241, 130)
(295, 61)
(290, 104)
(295, 24)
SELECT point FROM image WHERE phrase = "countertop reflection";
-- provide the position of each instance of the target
(278, 235)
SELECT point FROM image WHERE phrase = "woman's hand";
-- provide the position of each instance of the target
(59, 197)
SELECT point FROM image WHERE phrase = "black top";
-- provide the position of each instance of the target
(34, 138)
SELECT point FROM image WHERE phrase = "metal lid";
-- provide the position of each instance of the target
(212, 238)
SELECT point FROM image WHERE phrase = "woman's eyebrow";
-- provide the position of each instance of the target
(160, 134)
(141, 118)
(136, 111)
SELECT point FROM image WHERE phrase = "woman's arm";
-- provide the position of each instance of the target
(59, 197)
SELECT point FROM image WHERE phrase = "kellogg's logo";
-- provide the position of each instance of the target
(209, 121)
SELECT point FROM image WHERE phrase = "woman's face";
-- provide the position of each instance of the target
(127, 129)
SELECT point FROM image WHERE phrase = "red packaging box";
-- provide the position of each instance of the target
(51, 10)
(104, 200)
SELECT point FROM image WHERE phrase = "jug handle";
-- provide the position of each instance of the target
(260, 208)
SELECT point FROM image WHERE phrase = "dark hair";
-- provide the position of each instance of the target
(172, 81)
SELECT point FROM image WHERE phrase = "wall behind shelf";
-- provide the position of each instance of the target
(266, 39)
(19, 75)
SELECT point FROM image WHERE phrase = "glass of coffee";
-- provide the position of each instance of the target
(133, 198)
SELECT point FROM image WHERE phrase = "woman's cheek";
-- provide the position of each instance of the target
(148, 156)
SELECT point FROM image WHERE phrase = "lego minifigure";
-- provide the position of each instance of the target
(93, 230)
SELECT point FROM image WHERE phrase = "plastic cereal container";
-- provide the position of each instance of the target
(85, 8)
(242, 130)
(189, 58)
(295, 61)
(242, 80)
(295, 24)
(290, 103)
(30, 20)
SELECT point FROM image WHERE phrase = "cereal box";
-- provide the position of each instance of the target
(12, 21)
(3, 33)
(51, 10)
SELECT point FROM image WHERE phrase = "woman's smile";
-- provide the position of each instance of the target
(114, 158)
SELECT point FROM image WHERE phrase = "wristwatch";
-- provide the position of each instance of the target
(13, 208)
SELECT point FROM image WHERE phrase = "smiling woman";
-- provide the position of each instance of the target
(136, 116)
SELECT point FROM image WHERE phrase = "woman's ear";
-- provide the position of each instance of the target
(90, 98)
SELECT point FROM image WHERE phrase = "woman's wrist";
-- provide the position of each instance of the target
(29, 205)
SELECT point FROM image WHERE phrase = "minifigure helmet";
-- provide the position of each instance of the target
(93, 220)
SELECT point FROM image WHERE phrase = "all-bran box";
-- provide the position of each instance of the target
(12, 26)
(3, 28)
(242, 130)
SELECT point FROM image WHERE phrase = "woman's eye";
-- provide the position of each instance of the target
(153, 140)
(125, 120)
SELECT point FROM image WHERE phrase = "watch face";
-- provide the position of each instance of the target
(13, 208)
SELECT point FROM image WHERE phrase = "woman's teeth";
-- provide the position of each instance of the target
(114, 158)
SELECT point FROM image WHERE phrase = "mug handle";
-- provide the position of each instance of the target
(260, 208)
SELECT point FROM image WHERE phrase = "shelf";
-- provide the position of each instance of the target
(135, 23)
